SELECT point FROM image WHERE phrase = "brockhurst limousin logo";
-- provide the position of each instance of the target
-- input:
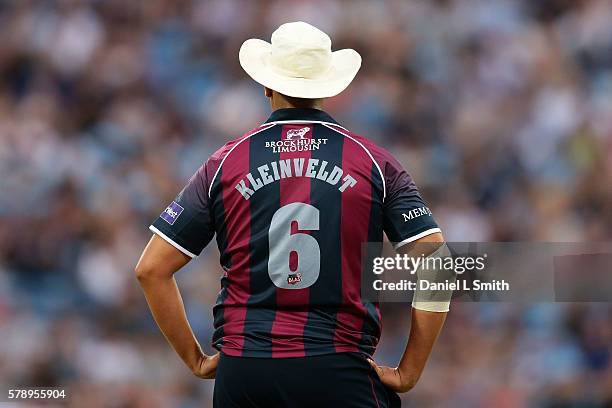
(296, 139)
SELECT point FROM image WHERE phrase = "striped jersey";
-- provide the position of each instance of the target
(291, 204)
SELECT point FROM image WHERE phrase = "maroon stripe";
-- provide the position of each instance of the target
(355, 217)
(292, 305)
(237, 214)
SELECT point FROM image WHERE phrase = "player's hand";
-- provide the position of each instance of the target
(206, 367)
(393, 379)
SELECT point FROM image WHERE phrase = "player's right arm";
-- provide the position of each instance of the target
(155, 272)
(181, 232)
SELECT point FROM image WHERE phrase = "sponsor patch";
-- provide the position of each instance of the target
(416, 213)
(171, 213)
(295, 138)
(297, 133)
(294, 278)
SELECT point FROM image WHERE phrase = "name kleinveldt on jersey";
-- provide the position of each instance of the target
(293, 168)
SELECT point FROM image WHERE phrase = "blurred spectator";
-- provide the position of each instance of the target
(107, 108)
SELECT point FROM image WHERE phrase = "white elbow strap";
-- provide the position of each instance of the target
(432, 293)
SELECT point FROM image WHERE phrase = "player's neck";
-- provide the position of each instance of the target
(278, 102)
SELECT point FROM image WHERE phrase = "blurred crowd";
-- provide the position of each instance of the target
(501, 111)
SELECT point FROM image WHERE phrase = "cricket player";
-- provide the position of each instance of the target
(290, 204)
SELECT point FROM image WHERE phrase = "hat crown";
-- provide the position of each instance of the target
(300, 50)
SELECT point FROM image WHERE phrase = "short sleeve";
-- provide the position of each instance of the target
(406, 216)
(187, 223)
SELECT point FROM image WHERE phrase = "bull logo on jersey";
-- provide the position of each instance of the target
(294, 278)
(297, 133)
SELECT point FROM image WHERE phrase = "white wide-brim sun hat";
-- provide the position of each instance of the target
(299, 62)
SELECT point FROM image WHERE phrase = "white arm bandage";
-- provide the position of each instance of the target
(431, 275)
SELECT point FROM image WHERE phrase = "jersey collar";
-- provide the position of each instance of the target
(300, 114)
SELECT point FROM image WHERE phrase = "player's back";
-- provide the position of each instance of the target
(297, 200)
(291, 204)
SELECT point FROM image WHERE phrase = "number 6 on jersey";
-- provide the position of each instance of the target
(283, 243)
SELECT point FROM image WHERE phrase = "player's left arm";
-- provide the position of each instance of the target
(183, 229)
(410, 226)
(424, 331)
(155, 272)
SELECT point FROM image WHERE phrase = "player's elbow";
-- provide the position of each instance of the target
(142, 272)
(147, 271)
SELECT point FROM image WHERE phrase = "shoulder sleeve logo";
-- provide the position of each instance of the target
(171, 213)
(416, 213)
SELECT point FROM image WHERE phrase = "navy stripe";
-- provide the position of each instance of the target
(326, 293)
(371, 323)
(218, 214)
(261, 305)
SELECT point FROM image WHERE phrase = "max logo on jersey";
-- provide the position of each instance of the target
(294, 278)
(297, 133)
(171, 213)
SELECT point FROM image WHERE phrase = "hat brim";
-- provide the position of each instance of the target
(254, 56)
